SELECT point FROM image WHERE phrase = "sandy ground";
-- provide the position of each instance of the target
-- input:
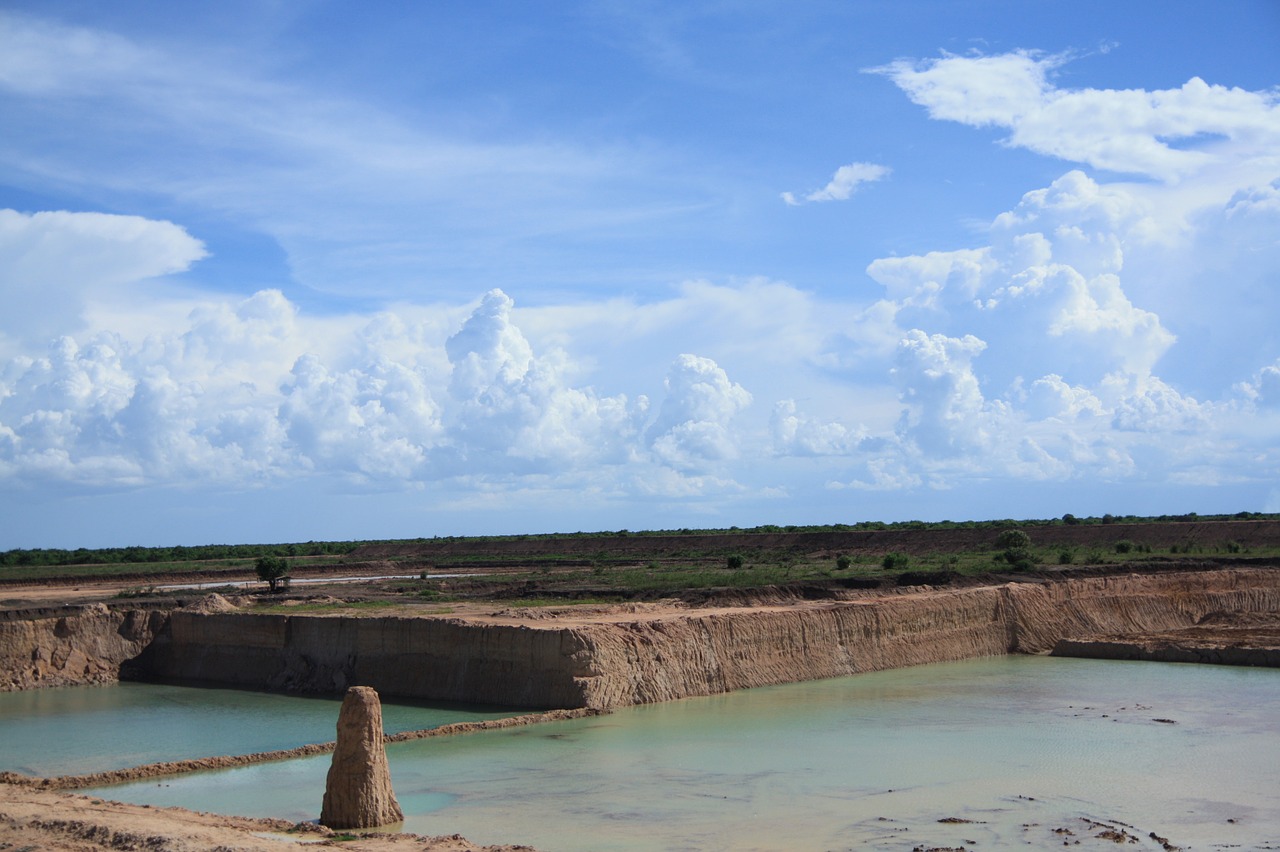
(43, 820)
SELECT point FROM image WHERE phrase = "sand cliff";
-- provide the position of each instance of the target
(618, 657)
(73, 645)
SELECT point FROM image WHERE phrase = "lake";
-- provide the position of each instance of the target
(989, 753)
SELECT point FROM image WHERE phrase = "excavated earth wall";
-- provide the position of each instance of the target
(616, 661)
(78, 645)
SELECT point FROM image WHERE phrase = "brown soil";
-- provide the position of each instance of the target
(42, 819)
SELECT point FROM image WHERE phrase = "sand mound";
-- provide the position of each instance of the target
(212, 603)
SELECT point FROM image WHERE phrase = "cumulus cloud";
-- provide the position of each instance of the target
(946, 412)
(1049, 287)
(379, 422)
(692, 428)
(843, 184)
(1166, 134)
(507, 405)
(795, 433)
(54, 261)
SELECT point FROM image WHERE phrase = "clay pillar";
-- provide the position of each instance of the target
(358, 791)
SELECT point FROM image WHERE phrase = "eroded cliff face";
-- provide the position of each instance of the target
(85, 645)
(703, 653)
(1043, 613)
(440, 659)
(623, 659)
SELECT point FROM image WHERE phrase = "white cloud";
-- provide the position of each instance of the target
(920, 280)
(946, 414)
(795, 433)
(380, 422)
(1048, 287)
(692, 428)
(509, 409)
(360, 196)
(41, 58)
(1265, 388)
(1051, 397)
(843, 184)
(54, 262)
(1168, 134)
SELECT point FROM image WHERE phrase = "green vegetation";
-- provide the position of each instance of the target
(597, 566)
(272, 569)
(1016, 545)
(172, 555)
(180, 554)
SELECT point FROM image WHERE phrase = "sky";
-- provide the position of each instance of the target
(290, 271)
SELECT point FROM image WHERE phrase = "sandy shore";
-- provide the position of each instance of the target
(63, 822)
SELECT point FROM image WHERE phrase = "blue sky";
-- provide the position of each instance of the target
(291, 271)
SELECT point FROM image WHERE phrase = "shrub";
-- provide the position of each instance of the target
(1124, 546)
(1016, 546)
(844, 563)
(1070, 519)
(1066, 557)
(1013, 539)
(894, 561)
(734, 562)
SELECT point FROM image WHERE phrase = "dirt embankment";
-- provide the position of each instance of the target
(610, 656)
(73, 645)
(32, 819)
(1248, 639)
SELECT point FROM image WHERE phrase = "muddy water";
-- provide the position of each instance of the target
(990, 753)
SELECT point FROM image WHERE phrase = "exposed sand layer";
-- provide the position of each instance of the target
(33, 819)
(1249, 639)
(612, 656)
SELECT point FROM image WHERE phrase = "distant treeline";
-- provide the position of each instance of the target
(211, 552)
(200, 553)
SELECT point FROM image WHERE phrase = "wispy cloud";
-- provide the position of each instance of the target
(361, 198)
(843, 184)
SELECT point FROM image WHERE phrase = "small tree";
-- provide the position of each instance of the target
(272, 569)
(843, 562)
(1017, 549)
(734, 562)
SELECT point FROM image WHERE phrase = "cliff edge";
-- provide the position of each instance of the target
(603, 657)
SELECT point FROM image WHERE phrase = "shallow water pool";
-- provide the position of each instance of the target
(1006, 752)
(1019, 746)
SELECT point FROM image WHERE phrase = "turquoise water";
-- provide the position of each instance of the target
(1018, 746)
(96, 728)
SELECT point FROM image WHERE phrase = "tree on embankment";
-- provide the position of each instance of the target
(272, 570)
